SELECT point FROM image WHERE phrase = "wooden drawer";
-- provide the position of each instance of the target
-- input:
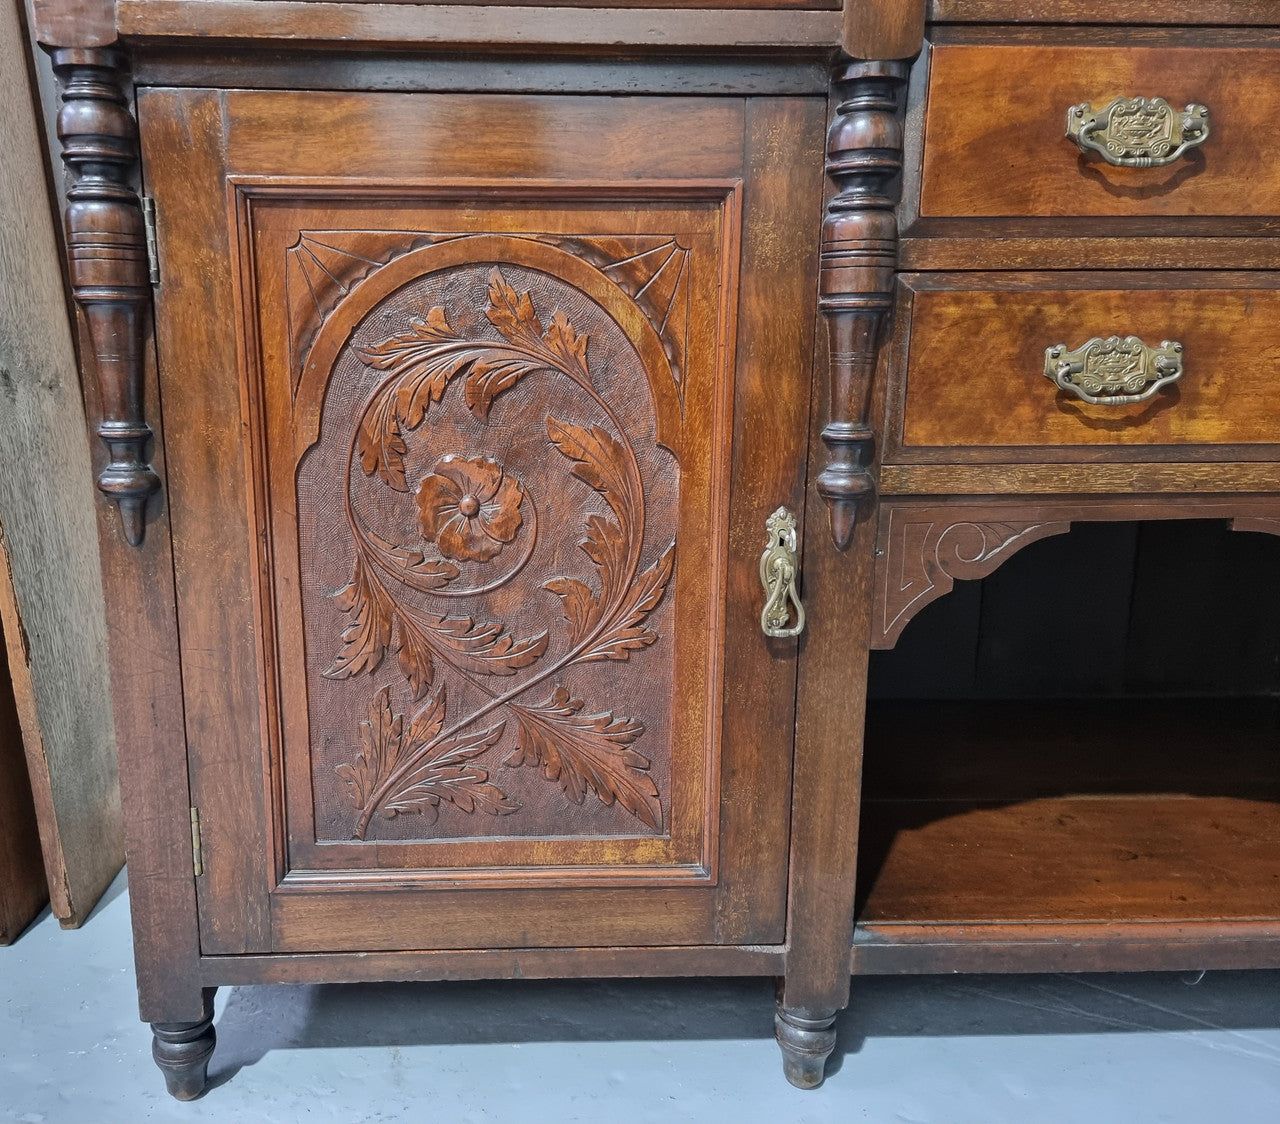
(975, 360)
(996, 144)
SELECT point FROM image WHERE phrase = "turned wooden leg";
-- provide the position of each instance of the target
(182, 1051)
(807, 1040)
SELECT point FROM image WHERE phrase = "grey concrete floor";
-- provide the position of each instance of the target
(1144, 1049)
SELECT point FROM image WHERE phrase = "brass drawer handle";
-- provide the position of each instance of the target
(1138, 132)
(778, 571)
(1115, 371)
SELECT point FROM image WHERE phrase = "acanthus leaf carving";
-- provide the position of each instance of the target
(380, 735)
(598, 461)
(581, 605)
(485, 648)
(567, 345)
(587, 753)
(440, 770)
(411, 566)
(470, 507)
(627, 633)
(366, 639)
(423, 361)
(426, 358)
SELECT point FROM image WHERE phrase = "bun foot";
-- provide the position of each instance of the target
(806, 1043)
(182, 1051)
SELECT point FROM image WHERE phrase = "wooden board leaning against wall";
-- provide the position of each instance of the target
(51, 592)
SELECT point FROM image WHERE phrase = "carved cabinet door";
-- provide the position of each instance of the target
(474, 408)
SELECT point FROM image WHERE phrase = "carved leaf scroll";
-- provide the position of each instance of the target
(411, 566)
(440, 767)
(425, 359)
(627, 633)
(485, 648)
(469, 508)
(587, 753)
(598, 460)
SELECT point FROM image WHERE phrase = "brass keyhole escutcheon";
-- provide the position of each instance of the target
(779, 569)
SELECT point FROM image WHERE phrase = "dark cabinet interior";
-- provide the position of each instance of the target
(1086, 735)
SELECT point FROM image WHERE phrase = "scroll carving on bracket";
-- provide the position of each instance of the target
(856, 273)
(107, 261)
(923, 551)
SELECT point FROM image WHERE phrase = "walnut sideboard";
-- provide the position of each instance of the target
(520, 424)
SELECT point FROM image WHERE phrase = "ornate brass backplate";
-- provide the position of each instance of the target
(1114, 371)
(1137, 132)
(779, 569)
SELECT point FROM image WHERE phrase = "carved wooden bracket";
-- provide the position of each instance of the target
(856, 275)
(923, 550)
(107, 253)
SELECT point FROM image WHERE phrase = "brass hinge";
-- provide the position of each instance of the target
(149, 224)
(197, 852)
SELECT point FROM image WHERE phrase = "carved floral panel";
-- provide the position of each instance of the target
(506, 528)
(491, 522)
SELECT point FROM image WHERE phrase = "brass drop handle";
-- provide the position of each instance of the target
(1114, 371)
(1138, 132)
(778, 571)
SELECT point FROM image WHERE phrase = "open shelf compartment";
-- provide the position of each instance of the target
(1092, 782)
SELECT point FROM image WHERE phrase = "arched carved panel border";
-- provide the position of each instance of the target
(923, 551)
(323, 266)
(470, 506)
(495, 248)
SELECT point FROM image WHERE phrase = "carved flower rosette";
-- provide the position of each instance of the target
(492, 521)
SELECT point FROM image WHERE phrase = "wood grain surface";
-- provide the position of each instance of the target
(484, 27)
(23, 888)
(54, 621)
(1137, 479)
(561, 212)
(1221, 12)
(993, 392)
(995, 132)
(73, 23)
(1076, 859)
(891, 29)
(1106, 814)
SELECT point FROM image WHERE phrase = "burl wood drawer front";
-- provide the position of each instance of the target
(975, 360)
(996, 143)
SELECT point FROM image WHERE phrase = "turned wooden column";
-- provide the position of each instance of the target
(856, 275)
(859, 257)
(107, 257)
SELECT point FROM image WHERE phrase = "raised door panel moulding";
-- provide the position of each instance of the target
(497, 526)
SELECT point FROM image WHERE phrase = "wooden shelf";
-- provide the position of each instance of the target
(1071, 813)
(1075, 859)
